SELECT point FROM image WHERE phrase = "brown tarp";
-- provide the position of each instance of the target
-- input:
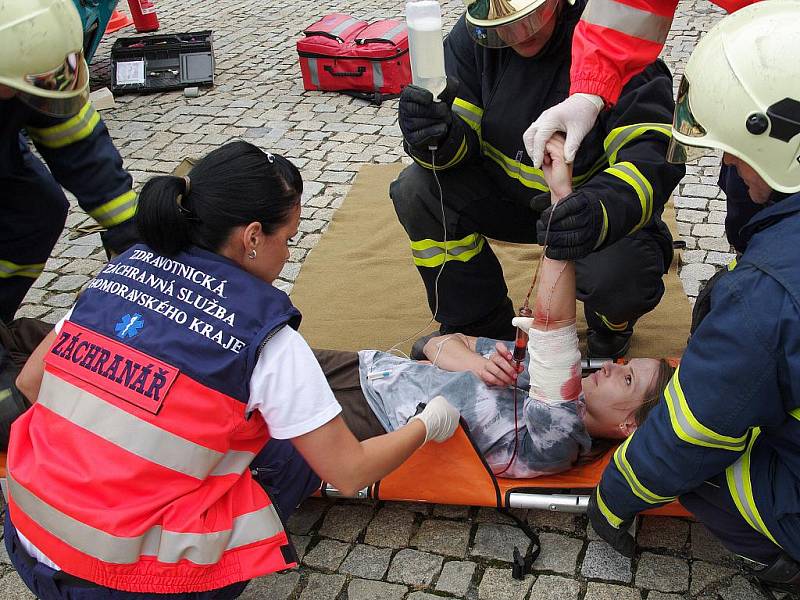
(359, 288)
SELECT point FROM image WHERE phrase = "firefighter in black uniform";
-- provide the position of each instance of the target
(44, 89)
(509, 60)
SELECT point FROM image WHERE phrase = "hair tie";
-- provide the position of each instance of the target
(187, 185)
(270, 158)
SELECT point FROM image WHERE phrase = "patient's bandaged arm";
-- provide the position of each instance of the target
(555, 364)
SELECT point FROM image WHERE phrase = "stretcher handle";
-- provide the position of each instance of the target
(358, 73)
(571, 503)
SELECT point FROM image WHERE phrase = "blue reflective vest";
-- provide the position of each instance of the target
(733, 406)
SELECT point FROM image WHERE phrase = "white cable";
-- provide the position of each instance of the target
(441, 268)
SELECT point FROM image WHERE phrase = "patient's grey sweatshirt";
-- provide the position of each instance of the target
(551, 437)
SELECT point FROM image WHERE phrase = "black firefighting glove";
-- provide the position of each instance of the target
(617, 537)
(577, 226)
(119, 238)
(423, 121)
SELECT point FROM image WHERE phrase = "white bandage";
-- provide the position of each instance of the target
(555, 364)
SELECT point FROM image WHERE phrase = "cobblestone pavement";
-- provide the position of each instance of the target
(396, 550)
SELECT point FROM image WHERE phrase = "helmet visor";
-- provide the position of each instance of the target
(679, 153)
(515, 32)
(60, 92)
(686, 126)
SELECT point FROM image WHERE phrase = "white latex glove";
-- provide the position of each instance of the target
(575, 116)
(440, 419)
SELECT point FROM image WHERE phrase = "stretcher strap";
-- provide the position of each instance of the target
(523, 565)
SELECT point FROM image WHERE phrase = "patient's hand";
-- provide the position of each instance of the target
(499, 369)
(557, 172)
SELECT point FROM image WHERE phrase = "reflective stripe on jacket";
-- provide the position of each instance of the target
(621, 162)
(80, 154)
(733, 406)
(616, 40)
(132, 468)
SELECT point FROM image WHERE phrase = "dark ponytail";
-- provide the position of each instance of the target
(233, 185)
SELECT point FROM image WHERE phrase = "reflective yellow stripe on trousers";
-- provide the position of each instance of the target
(70, 131)
(430, 253)
(740, 487)
(117, 210)
(610, 516)
(11, 269)
(688, 428)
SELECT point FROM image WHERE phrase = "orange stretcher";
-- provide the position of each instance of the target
(454, 472)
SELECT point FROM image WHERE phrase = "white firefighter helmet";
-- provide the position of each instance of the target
(502, 23)
(741, 93)
(41, 54)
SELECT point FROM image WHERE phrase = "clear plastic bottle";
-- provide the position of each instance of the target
(424, 20)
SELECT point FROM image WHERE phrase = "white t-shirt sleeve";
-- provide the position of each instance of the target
(57, 327)
(289, 388)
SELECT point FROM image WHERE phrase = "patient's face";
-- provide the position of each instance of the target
(613, 394)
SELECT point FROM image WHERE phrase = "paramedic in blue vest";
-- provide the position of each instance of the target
(506, 62)
(44, 92)
(726, 439)
(173, 388)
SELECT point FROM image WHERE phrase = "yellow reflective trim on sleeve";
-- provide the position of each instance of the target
(470, 113)
(688, 428)
(527, 175)
(615, 141)
(627, 172)
(11, 269)
(116, 211)
(618, 137)
(430, 253)
(741, 490)
(732, 265)
(70, 131)
(613, 519)
(459, 156)
(795, 413)
(624, 467)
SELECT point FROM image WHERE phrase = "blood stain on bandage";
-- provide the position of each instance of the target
(571, 388)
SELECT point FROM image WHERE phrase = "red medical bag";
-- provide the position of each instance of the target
(342, 53)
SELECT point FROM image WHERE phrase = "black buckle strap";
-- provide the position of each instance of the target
(523, 565)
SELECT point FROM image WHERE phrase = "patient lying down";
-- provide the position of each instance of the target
(560, 418)
(379, 392)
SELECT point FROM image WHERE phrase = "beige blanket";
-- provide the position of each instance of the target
(359, 288)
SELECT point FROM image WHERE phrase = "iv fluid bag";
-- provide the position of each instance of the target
(424, 20)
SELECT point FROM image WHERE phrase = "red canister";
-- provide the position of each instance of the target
(144, 15)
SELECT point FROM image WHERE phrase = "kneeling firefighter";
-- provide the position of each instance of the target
(506, 62)
(726, 439)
